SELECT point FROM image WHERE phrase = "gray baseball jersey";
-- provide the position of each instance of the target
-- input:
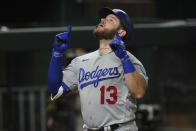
(104, 97)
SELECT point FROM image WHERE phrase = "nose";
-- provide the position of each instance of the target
(102, 20)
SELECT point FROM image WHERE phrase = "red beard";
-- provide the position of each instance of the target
(104, 34)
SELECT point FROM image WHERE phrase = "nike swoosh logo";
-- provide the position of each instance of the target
(84, 60)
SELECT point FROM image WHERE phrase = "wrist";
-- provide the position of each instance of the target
(123, 55)
(124, 58)
(57, 53)
(127, 65)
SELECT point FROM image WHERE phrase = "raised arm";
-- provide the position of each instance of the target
(134, 80)
(55, 75)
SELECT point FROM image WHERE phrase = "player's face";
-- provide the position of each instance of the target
(107, 27)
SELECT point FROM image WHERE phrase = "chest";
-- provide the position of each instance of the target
(93, 70)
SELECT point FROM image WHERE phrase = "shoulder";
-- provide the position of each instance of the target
(133, 58)
(138, 65)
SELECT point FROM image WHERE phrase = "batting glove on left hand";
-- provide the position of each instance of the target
(61, 41)
(117, 45)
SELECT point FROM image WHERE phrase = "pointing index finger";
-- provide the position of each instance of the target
(117, 35)
(69, 29)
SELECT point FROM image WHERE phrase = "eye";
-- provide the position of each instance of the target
(111, 20)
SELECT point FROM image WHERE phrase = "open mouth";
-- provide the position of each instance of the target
(101, 25)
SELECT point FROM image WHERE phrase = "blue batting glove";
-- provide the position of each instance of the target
(61, 42)
(117, 45)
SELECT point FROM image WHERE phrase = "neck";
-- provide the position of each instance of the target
(104, 47)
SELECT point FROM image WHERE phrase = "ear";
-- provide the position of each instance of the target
(122, 33)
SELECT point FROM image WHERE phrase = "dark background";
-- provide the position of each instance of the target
(163, 40)
(41, 13)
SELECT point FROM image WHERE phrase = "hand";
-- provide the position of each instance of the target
(118, 46)
(62, 40)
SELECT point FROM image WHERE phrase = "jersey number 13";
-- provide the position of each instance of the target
(113, 94)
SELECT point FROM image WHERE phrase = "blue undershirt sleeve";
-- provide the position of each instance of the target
(55, 74)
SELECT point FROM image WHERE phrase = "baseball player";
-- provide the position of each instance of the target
(109, 80)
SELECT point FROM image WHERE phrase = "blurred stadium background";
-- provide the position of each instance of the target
(164, 40)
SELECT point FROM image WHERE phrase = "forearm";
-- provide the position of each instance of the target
(55, 74)
(134, 80)
(136, 84)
